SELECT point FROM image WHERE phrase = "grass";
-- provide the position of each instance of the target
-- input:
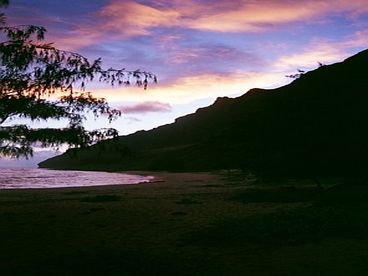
(191, 224)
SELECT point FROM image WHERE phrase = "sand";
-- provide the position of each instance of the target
(180, 224)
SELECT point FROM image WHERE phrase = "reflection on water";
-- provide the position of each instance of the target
(43, 178)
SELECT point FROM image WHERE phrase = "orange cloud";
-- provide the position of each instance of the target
(254, 17)
(132, 18)
(117, 20)
(249, 16)
(309, 59)
(322, 51)
(77, 39)
(358, 40)
(123, 19)
(190, 88)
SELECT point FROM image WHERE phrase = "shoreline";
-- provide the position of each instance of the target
(156, 177)
(185, 224)
(131, 178)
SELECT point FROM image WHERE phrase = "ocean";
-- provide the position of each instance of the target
(32, 178)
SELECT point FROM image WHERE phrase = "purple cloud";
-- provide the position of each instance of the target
(146, 107)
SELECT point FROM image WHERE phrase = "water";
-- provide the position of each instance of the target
(25, 178)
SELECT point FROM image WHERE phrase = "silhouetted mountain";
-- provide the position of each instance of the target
(315, 125)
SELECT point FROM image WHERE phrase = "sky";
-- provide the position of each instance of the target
(199, 50)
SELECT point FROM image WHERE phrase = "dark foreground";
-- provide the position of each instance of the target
(188, 224)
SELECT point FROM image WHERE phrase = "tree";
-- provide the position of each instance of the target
(31, 71)
(3, 3)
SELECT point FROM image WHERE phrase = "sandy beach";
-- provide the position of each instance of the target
(184, 224)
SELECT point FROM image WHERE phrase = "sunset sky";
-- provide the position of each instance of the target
(199, 50)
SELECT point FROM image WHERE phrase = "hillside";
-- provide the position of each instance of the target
(315, 125)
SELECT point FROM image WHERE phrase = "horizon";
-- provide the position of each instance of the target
(196, 59)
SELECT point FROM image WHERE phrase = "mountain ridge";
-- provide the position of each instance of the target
(312, 126)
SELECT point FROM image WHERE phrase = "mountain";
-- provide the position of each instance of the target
(315, 125)
(31, 162)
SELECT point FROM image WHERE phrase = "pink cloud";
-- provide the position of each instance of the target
(189, 88)
(75, 40)
(213, 53)
(146, 107)
(123, 19)
(257, 16)
(324, 51)
(132, 18)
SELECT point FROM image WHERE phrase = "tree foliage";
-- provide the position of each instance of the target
(3, 3)
(40, 82)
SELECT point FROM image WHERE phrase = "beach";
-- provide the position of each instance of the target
(185, 224)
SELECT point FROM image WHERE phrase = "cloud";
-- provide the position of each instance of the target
(259, 16)
(185, 89)
(357, 40)
(210, 54)
(309, 58)
(119, 20)
(132, 18)
(76, 39)
(131, 120)
(324, 51)
(146, 107)
(250, 16)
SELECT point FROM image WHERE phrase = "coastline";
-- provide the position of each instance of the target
(182, 224)
(39, 178)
